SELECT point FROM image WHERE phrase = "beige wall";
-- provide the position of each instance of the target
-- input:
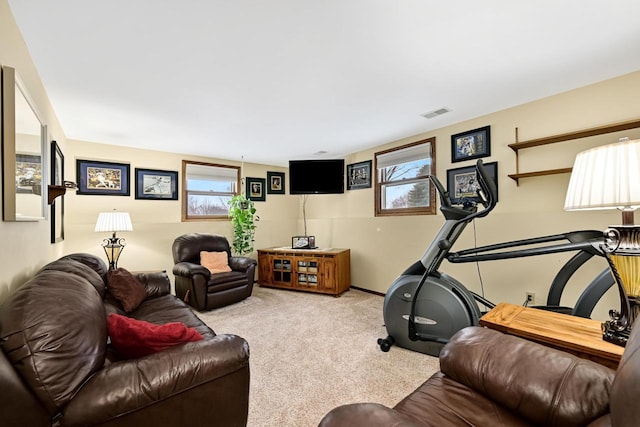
(25, 245)
(381, 247)
(156, 223)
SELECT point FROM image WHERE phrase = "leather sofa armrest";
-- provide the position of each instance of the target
(366, 414)
(543, 385)
(189, 269)
(131, 385)
(156, 283)
(240, 263)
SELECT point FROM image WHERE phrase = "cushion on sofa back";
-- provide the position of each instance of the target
(53, 331)
(94, 262)
(69, 265)
(186, 248)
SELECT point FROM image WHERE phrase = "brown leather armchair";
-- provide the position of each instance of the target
(488, 378)
(197, 286)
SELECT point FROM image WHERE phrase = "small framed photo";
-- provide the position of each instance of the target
(462, 183)
(275, 182)
(153, 184)
(472, 144)
(102, 178)
(256, 189)
(359, 175)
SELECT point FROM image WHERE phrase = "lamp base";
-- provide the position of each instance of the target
(618, 329)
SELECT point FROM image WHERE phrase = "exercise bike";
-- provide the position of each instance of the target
(425, 307)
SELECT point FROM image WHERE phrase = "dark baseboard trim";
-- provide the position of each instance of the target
(369, 291)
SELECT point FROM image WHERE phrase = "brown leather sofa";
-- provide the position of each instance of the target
(58, 369)
(197, 286)
(491, 379)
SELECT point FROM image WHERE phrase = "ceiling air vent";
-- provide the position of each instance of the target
(435, 113)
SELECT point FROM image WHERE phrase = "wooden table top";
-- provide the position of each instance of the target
(571, 333)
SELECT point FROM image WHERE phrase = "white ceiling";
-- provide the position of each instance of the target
(273, 80)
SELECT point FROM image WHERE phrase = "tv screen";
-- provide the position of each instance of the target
(316, 176)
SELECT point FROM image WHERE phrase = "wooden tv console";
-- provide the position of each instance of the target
(326, 271)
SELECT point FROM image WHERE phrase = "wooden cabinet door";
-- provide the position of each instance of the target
(265, 268)
(328, 279)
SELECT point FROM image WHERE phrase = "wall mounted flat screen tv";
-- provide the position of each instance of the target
(316, 176)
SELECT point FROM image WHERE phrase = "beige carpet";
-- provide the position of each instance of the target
(310, 353)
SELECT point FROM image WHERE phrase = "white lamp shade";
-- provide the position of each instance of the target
(114, 221)
(606, 177)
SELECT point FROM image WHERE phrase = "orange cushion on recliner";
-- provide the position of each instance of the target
(216, 262)
(134, 338)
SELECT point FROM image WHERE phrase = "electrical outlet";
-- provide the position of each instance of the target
(531, 298)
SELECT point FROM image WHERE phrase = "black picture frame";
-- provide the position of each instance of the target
(57, 206)
(472, 144)
(462, 183)
(275, 183)
(102, 178)
(359, 175)
(256, 189)
(156, 184)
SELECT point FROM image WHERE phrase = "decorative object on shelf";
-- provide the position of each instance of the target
(463, 183)
(472, 144)
(256, 189)
(102, 178)
(303, 242)
(359, 175)
(608, 177)
(57, 179)
(275, 182)
(153, 184)
(243, 220)
(113, 222)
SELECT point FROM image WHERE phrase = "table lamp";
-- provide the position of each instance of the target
(113, 222)
(608, 177)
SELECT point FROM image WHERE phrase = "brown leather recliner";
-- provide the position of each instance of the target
(197, 286)
(488, 378)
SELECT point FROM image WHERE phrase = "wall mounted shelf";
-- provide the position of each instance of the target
(585, 133)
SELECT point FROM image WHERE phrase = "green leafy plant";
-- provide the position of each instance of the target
(243, 220)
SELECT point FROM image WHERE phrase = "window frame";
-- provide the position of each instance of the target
(185, 193)
(427, 210)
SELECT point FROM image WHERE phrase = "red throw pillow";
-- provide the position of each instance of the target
(133, 338)
(126, 288)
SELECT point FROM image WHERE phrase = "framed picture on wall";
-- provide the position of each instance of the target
(275, 182)
(154, 184)
(472, 144)
(102, 178)
(256, 189)
(462, 183)
(359, 175)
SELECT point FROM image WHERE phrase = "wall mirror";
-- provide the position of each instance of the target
(23, 153)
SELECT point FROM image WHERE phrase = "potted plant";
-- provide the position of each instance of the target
(243, 220)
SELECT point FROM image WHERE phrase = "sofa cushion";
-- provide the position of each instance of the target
(126, 288)
(216, 262)
(81, 269)
(134, 338)
(53, 331)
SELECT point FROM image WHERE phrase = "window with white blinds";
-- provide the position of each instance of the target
(402, 179)
(208, 188)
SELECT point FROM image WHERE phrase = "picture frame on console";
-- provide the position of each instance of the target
(155, 184)
(57, 206)
(102, 178)
(359, 175)
(256, 189)
(472, 144)
(275, 183)
(463, 183)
